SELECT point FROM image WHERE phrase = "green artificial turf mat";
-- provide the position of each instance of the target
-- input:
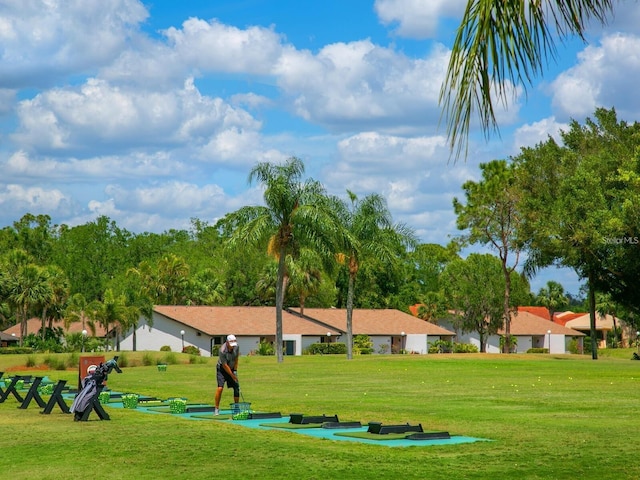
(211, 416)
(291, 426)
(373, 436)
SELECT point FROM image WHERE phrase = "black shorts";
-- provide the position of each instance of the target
(222, 377)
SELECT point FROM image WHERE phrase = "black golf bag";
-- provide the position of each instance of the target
(92, 385)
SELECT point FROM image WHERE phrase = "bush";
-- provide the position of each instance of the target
(362, 344)
(465, 348)
(15, 350)
(327, 349)
(31, 361)
(148, 359)
(191, 350)
(169, 359)
(538, 350)
(165, 348)
(196, 359)
(440, 346)
(123, 360)
(574, 346)
(266, 348)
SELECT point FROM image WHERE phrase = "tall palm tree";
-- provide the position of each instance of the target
(606, 306)
(112, 311)
(295, 213)
(76, 312)
(501, 45)
(305, 275)
(53, 307)
(553, 297)
(369, 233)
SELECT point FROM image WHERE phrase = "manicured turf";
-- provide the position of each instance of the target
(547, 416)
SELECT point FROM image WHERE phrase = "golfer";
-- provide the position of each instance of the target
(227, 370)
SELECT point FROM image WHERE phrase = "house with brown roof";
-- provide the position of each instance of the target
(604, 325)
(35, 324)
(205, 327)
(530, 331)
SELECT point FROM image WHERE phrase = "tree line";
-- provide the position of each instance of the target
(573, 204)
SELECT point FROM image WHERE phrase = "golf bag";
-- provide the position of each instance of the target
(92, 385)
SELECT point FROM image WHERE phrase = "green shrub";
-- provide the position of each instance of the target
(574, 346)
(465, 348)
(165, 348)
(191, 350)
(538, 350)
(169, 359)
(362, 344)
(16, 350)
(123, 360)
(31, 361)
(441, 346)
(327, 349)
(265, 348)
(148, 359)
(197, 359)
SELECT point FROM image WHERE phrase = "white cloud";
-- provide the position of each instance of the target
(360, 85)
(605, 76)
(19, 198)
(418, 18)
(533, 133)
(101, 115)
(44, 39)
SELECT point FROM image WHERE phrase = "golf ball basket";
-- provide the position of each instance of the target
(240, 410)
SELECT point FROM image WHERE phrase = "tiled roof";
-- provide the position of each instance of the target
(542, 312)
(583, 322)
(564, 317)
(315, 321)
(526, 323)
(242, 320)
(376, 321)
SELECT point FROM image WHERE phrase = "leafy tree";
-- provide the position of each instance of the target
(76, 313)
(91, 255)
(296, 213)
(477, 309)
(491, 218)
(25, 286)
(580, 197)
(370, 233)
(552, 296)
(501, 45)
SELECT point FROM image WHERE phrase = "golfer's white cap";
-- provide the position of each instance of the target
(232, 340)
(91, 369)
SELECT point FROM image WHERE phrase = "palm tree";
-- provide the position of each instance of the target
(305, 275)
(369, 232)
(111, 311)
(606, 306)
(76, 312)
(53, 308)
(25, 286)
(295, 213)
(553, 297)
(501, 45)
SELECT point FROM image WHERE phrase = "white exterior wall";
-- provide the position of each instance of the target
(524, 344)
(418, 343)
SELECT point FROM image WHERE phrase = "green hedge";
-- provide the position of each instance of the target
(327, 348)
(538, 350)
(14, 350)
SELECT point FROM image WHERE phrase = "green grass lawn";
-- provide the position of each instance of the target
(548, 416)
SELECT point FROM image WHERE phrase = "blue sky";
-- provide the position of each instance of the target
(152, 113)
